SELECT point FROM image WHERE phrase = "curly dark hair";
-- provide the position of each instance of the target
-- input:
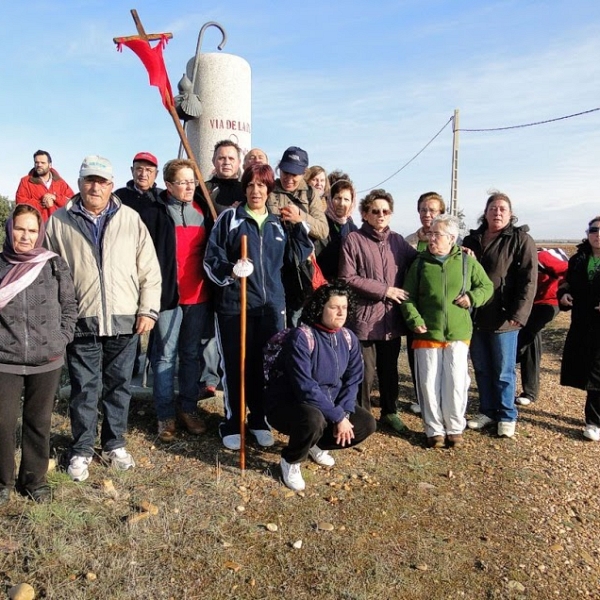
(312, 313)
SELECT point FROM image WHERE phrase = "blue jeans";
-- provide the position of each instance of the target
(100, 369)
(178, 333)
(494, 358)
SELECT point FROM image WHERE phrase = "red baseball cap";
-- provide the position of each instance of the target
(147, 157)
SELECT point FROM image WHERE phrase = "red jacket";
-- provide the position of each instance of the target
(551, 271)
(32, 189)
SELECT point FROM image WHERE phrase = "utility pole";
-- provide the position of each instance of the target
(454, 185)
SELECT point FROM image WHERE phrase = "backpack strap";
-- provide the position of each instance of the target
(465, 268)
(347, 337)
(310, 338)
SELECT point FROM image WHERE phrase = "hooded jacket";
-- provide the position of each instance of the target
(510, 261)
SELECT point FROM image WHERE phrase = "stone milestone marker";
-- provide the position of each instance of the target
(223, 84)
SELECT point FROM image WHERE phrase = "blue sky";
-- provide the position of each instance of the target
(362, 86)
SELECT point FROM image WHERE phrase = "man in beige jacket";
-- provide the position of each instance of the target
(118, 286)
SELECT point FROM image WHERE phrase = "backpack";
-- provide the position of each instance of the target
(272, 357)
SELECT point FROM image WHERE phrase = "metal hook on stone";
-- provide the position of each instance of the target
(199, 44)
(204, 28)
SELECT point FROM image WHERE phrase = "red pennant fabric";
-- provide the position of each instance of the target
(155, 65)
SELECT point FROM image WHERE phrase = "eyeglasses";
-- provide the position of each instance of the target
(593, 229)
(185, 183)
(429, 211)
(437, 234)
(103, 183)
(381, 211)
(148, 170)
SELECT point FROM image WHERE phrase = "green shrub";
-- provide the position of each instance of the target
(6, 206)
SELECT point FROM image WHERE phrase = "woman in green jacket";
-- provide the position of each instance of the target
(443, 283)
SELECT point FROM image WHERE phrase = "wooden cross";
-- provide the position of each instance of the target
(142, 35)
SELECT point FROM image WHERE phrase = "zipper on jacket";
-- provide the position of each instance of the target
(26, 336)
(262, 266)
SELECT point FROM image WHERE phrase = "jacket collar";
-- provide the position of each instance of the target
(378, 236)
(33, 178)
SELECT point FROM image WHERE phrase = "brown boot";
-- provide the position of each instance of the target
(192, 423)
(455, 439)
(166, 430)
(435, 441)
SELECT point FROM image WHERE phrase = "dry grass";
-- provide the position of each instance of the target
(496, 519)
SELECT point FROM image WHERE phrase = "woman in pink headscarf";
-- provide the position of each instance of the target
(38, 311)
(340, 205)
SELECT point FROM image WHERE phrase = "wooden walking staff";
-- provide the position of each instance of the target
(154, 63)
(242, 269)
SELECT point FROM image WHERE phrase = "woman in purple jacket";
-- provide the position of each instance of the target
(373, 262)
(313, 398)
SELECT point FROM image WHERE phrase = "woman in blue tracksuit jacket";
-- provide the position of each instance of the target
(311, 396)
(266, 239)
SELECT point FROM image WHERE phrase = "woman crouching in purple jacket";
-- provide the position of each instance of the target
(312, 398)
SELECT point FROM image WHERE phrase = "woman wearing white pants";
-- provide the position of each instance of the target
(443, 284)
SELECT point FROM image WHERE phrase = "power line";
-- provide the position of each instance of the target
(413, 158)
(585, 112)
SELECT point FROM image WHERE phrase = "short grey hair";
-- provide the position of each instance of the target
(450, 224)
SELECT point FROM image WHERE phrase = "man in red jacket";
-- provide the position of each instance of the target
(43, 188)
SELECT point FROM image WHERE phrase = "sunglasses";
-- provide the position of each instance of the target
(381, 211)
(593, 229)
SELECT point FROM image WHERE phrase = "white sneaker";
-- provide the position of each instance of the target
(415, 408)
(78, 467)
(119, 458)
(506, 428)
(591, 432)
(292, 475)
(523, 401)
(479, 422)
(232, 442)
(321, 457)
(264, 437)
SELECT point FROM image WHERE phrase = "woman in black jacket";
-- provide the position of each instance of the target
(38, 310)
(580, 292)
(509, 257)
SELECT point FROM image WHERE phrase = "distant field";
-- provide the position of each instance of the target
(567, 245)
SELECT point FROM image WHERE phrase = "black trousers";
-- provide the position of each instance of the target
(307, 427)
(383, 357)
(592, 408)
(38, 402)
(529, 348)
(259, 328)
